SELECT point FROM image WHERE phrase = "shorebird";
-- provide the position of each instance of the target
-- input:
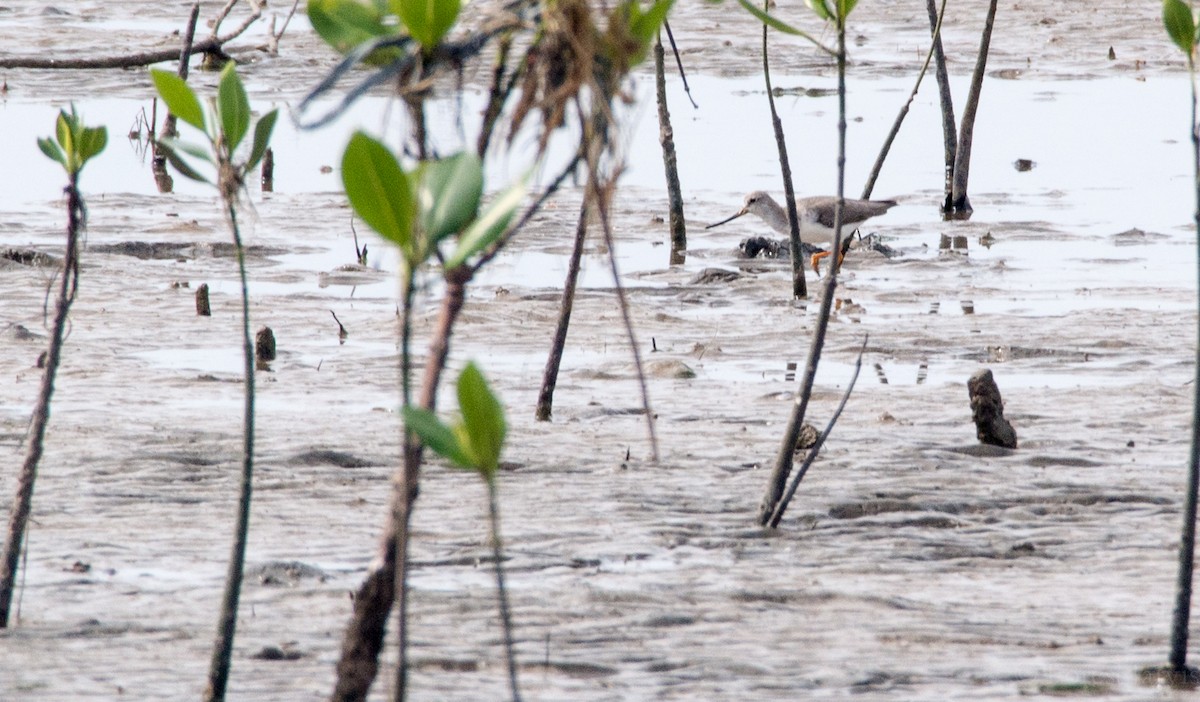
(815, 216)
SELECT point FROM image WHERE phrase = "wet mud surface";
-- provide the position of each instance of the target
(914, 563)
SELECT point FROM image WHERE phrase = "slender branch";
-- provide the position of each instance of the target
(545, 402)
(679, 63)
(601, 204)
(23, 501)
(891, 137)
(799, 283)
(530, 211)
(816, 447)
(949, 130)
(145, 58)
(666, 139)
(505, 610)
(784, 459)
(1187, 541)
(218, 673)
(966, 132)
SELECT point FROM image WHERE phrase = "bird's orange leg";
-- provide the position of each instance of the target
(816, 260)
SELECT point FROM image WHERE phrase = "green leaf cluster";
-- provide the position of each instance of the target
(74, 144)
(346, 24)
(1181, 22)
(225, 124)
(832, 10)
(476, 440)
(416, 211)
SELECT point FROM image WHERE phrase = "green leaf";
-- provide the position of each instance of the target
(440, 438)
(48, 147)
(488, 228)
(1180, 24)
(194, 150)
(233, 107)
(262, 138)
(93, 141)
(344, 24)
(645, 25)
(427, 20)
(185, 169)
(180, 99)
(64, 132)
(846, 7)
(379, 191)
(483, 418)
(777, 25)
(821, 9)
(448, 194)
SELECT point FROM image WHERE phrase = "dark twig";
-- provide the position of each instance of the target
(1187, 541)
(545, 402)
(785, 458)
(816, 447)
(949, 130)
(22, 504)
(891, 137)
(145, 58)
(679, 63)
(666, 138)
(799, 284)
(966, 131)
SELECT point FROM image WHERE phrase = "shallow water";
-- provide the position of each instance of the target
(911, 566)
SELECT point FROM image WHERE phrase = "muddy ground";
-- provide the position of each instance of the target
(911, 566)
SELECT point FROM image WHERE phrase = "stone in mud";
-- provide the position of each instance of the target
(988, 410)
(264, 348)
(712, 276)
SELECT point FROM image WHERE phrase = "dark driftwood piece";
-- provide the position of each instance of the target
(211, 45)
(202, 307)
(987, 409)
(264, 346)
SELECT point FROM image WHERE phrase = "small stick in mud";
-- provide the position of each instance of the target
(202, 307)
(342, 333)
(988, 409)
(268, 171)
(264, 348)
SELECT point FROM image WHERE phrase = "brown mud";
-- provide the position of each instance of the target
(914, 564)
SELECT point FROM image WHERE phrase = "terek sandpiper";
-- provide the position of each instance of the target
(815, 215)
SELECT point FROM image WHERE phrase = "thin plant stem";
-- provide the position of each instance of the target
(966, 131)
(22, 505)
(949, 130)
(799, 283)
(218, 673)
(666, 138)
(400, 521)
(784, 460)
(1187, 541)
(816, 447)
(545, 402)
(623, 304)
(679, 63)
(891, 137)
(502, 592)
